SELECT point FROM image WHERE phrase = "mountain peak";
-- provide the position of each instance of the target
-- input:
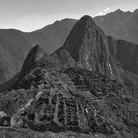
(34, 57)
(85, 26)
(118, 12)
(87, 45)
(86, 19)
(36, 50)
(135, 11)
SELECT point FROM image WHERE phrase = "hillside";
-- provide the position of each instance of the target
(14, 45)
(52, 36)
(13, 50)
(119, 24)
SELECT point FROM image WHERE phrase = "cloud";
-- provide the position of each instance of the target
(100, 13)
(107, 9)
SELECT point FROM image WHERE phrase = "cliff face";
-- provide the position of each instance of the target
(125, 52)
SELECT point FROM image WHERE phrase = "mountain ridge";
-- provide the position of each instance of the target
(11, 62)
(59, 93)
(15, 44)
(120, 24)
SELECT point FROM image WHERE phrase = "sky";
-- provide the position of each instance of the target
(30, 15)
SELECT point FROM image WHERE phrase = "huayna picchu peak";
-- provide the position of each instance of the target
(85, 21)
(83, 88)
(88, 46)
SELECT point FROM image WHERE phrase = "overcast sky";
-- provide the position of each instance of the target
(29, 15)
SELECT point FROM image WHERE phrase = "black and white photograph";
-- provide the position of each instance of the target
(68, 68)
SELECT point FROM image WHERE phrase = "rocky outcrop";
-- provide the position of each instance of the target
(88, 46)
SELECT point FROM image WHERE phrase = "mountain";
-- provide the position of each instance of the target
(90, 48)
(52, 36)
(92, 91)
(65, 99)
(119, 24)
(14, 45)
(126, 53)
(13, 50)
(32, 69)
